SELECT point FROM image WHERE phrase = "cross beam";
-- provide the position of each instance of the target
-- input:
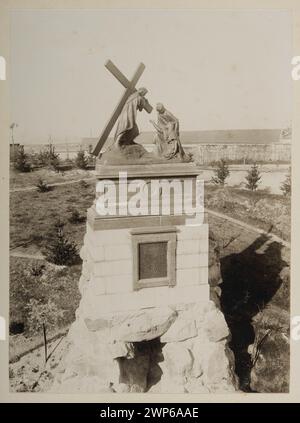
(130, 89)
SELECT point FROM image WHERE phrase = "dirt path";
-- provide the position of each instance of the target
(249, 227)
(25, 255)
(55, 184)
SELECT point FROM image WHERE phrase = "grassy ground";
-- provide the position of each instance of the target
(266, 211)
(33, 213)
(23, 180)
(36, 279)
(32, 217)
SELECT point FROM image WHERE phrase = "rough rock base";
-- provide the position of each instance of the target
(161, 350)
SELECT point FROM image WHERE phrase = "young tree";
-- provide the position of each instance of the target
(42, 316)
(59, 250)
(42, 186)
(76, 217)
(221, 173)
(286, 185)
(54, 160)
(48, 157)
(21, 160)
(253, 177)
(81, 160)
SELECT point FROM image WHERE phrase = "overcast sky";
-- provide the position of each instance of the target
(212, 69)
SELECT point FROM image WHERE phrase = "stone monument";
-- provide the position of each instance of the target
(145, 322)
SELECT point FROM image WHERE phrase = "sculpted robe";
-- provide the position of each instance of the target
(127, 129)
(167, 140)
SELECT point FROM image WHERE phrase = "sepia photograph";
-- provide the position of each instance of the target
(150, 201)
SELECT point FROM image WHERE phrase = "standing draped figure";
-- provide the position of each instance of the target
(127, 129)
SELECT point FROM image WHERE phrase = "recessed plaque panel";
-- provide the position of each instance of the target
(153, 260)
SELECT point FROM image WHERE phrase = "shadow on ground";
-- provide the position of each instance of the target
(250, 280)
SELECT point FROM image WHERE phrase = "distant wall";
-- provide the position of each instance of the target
(207, 153)
(203, 153)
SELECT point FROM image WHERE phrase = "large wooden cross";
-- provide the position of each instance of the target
(130, 89)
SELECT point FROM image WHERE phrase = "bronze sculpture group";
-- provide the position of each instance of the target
(167, 139)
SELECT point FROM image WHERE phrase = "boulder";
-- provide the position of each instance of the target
(176, 367)
(183, 328)
(218, 367)
(97, 324)
(197, 353)
(137, 326)
(215, 325)
(178, 359)
(144, 325)
(199, 310)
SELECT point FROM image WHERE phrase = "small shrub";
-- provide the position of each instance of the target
(42, 186)
(221, 173)
(59, 226)
(55, 164)
(52, 154)
(59, 250)
(286, 185)
(21, 162)
(253, 177)
(37, 270)
(48, 157)
(81, 160)
(42, 158)
(76, 217)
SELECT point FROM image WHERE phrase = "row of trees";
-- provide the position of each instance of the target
(252, 177)
(48, 157)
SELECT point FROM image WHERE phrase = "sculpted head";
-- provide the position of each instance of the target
(160, 108)
(142, 91)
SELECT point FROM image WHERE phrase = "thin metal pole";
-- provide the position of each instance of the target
(45, 342)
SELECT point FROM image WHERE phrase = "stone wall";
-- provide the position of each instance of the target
(208, 153)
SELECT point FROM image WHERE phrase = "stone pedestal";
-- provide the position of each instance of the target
(145, 321)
